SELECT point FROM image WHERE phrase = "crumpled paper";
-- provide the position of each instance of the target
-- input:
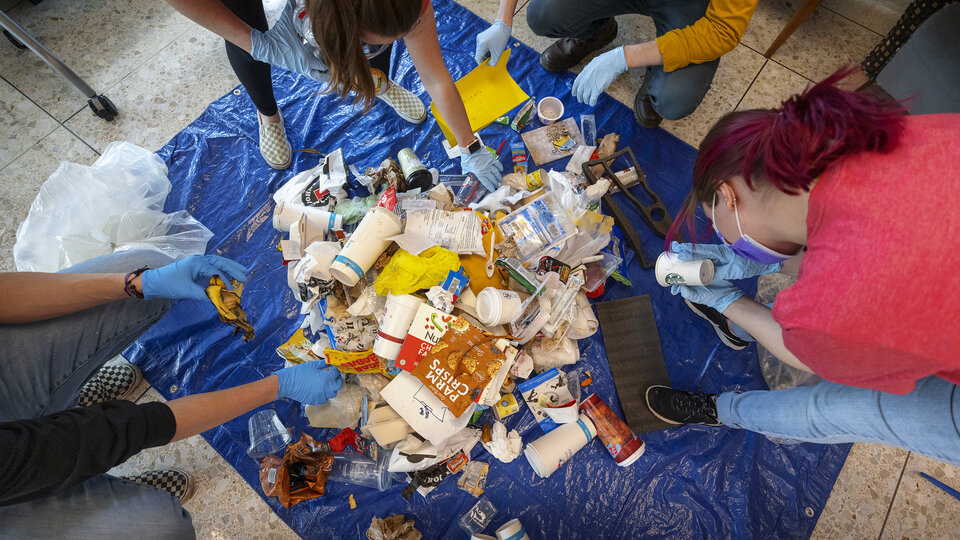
(504, 446)
(393, 528)
(227, 303)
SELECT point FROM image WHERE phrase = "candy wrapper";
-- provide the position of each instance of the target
(301, 474)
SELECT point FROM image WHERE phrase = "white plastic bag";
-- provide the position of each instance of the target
(83, 212)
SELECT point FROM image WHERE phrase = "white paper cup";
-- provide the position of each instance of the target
(397, 318)
(547, 453)
(497, 306)
(365, 245)
(672, 271)
(512, 530)
(477, 536)
(549, 110)
(285, 215)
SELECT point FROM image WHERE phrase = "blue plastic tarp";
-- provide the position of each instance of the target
(692, 482)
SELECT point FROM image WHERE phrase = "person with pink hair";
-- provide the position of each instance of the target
(865, 200)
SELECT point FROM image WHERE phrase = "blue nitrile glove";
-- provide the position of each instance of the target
(492, 42)
(311, 383)
(598, 74)
(179, 279)
(719, 294)
(726, 263)
(282, 46)
(485, 166)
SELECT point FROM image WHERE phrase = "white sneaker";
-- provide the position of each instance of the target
(274, 147)
(405, 102)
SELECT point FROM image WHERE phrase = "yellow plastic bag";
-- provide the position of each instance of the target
(406, 273)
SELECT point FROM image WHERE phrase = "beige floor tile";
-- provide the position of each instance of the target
(860, 498)
(773, 85)
(21, 125)
(877, 15)
(223, 505)
(160, 98)
(922, 510)
(822, 44)
(100, 41)
(22, 180)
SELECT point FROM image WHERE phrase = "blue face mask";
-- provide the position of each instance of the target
(747, 247)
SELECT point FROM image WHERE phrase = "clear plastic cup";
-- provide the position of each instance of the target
(360, 470)
(268, 435)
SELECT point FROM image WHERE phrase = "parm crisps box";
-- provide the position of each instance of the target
(425, 331)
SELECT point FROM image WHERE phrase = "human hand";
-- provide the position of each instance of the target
(719, 294)
(485, 166)
(311, 383)
(726, 263)
(282, 46)
(598, 74)
(179, 279)
(492, 42)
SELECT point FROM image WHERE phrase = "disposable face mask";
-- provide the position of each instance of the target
(747, 247)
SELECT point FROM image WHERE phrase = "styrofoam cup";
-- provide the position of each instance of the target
(672, 271)
(497, 306)
(286, 214)
(365, 245)
(549, 110)
(549, 452)
(512, 530)
(397, 318)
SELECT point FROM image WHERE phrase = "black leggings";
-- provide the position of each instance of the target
(254, 75)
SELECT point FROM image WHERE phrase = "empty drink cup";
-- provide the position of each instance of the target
(497, 306)
(397, 318)
(359, 470)
(671, 271)
(616, 436)
(512, 530)
(415, 174)
(365, 245)
(549, 110)
(286, 214)
(268, 435)
(549, 452)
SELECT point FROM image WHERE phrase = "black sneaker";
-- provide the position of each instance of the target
(643, 111)
(719, 322)
(116, 381)
(174, 481)
(679, 407)
(565, 53)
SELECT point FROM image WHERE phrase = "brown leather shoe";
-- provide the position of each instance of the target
(568, 52)
(643, 111)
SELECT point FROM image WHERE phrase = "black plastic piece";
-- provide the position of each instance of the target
(103, 107)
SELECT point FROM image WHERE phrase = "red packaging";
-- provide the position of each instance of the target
(623, 445)
(389, 199)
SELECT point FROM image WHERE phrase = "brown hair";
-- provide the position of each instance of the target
(337, 26)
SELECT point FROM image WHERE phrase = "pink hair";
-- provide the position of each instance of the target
(790, 147)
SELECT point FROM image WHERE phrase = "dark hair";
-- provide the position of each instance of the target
(790, 147)
(337, 25)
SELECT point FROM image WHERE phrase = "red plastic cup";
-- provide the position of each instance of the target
(616, 436)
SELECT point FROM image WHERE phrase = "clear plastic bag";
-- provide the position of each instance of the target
(83, 212)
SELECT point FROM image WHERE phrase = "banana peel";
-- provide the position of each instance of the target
(227, 303)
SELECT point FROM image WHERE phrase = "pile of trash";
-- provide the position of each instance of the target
(439, 299)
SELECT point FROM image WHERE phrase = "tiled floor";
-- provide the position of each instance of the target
(162, 70)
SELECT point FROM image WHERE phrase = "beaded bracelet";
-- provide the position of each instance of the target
(128, 286)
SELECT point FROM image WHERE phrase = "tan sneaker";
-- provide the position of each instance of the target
(274, 147)
(406, 103)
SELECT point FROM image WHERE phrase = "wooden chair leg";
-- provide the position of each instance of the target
(807, 9)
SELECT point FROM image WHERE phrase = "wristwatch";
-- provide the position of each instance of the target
(474, 146)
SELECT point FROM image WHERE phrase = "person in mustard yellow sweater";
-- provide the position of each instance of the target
(692, 35)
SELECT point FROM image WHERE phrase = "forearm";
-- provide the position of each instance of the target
(36, 296)
(214, 16)
(200, 412)
(505, 13)
(450, 105)
(757, 319)
(643, 54)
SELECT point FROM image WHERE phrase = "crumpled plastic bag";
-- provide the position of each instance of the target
(227, 302)
(392, 528)
(354, 209)
(407, 273)
(416, 454)
(340, 411)
(549, 353)
(504, 446)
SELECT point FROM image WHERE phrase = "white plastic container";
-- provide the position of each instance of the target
(365, 245)
(497, 306)
(286, 214)
(397, 318)
(549, 110)
(549, 452)
(671, 271)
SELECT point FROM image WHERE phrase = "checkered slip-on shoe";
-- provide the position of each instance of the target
(405, 102)
(274, 147)
(174, 481)
(116, 381)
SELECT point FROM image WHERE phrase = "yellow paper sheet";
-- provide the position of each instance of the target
(488, 92)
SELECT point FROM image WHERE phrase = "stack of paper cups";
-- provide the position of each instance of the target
(397, 318)
(365, 245)
(549, 452)
(672, 271)
(285, 215)
(512, 530)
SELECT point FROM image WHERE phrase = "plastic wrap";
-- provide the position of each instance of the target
(692, 482)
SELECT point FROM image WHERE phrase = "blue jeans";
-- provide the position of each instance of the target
(926, 421)
(42, 367)
(675, 94)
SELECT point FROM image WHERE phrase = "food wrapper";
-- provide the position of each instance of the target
(392, 528)
(460, 365)
(228, 307)
(296, 350)
(301, 474)
(353, 362)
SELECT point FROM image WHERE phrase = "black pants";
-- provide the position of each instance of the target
(254, 75)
